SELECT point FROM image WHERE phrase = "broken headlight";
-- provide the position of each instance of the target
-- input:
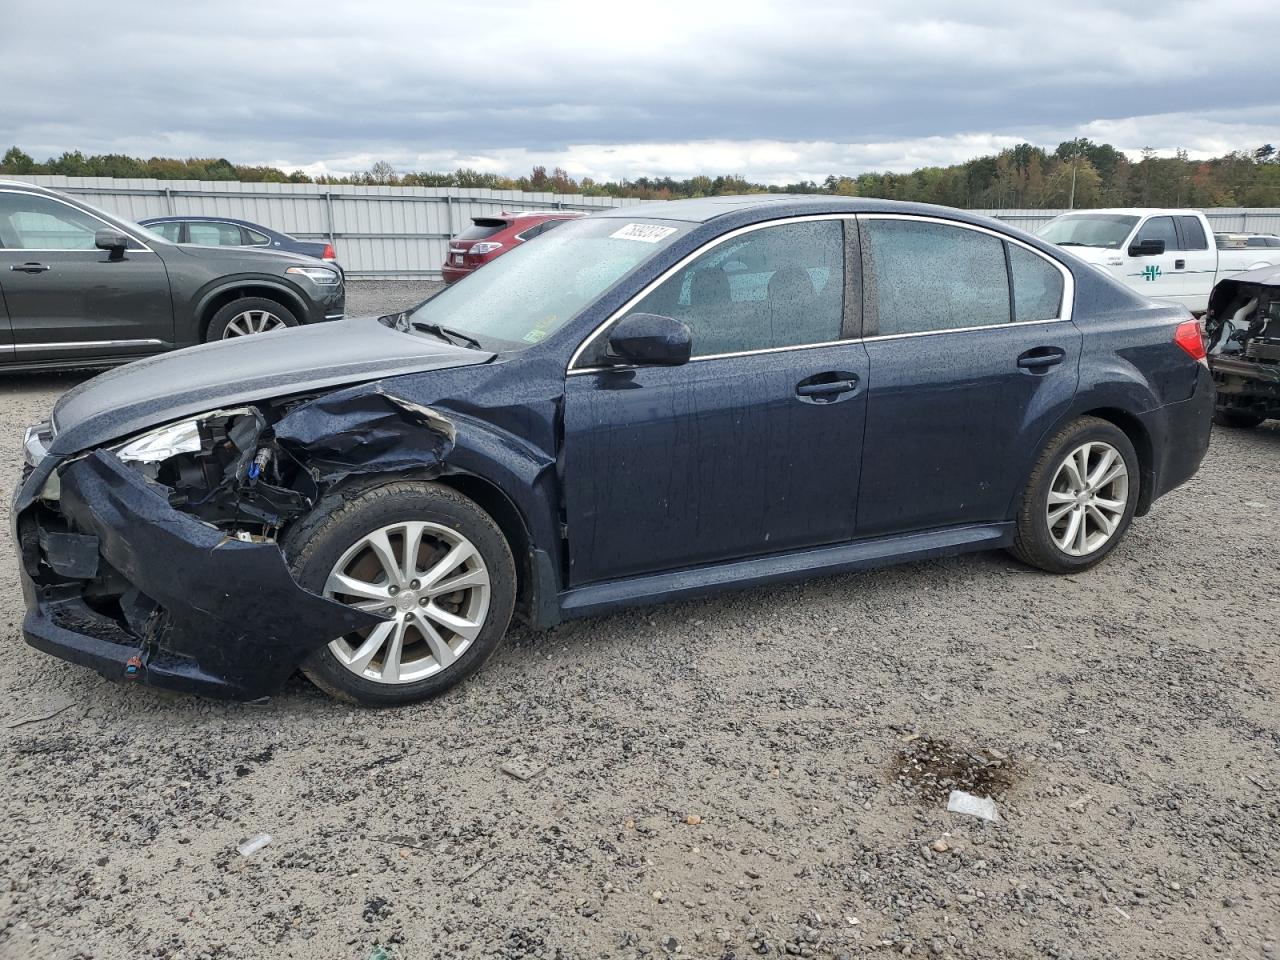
(159, 445)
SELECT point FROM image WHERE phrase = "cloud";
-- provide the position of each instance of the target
(771, 91)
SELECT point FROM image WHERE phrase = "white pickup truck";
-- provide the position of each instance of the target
(1168, 255)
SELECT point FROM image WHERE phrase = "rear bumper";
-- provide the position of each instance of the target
(1180, 436)
(452, 274)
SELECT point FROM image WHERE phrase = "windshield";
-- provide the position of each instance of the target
(525, 296)
(1107, 230)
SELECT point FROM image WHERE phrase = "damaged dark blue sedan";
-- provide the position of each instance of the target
(651, 403)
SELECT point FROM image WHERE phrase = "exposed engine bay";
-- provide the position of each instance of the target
(1242, 329)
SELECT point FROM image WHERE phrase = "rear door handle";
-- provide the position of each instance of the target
(1179, 264)
(30, 267)
(1041, 358)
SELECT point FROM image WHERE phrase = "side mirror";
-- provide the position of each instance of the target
(1150, 247)
(111, 240)
(647, 338)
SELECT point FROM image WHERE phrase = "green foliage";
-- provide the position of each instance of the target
(1078, 171)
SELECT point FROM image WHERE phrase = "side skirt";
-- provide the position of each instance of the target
(598, 598)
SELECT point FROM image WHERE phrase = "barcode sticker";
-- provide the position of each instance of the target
(644, 232)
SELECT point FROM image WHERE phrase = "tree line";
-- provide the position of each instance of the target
(1077, 173)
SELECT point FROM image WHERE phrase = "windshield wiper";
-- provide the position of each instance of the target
(1071, 243)
(446, 334)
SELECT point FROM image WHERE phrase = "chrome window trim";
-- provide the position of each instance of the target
(1065, 312)
(67, 203)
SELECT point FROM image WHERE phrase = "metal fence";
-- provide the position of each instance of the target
(382, 232)
(1221, 219)
(404, 231)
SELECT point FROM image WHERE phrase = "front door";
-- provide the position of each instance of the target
(1164, 276)
(972, 357)
(69, 300)
(754, 446)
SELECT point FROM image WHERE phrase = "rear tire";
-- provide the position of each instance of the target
(247, 316)
(1079, 499)
(1236, 419)
(432, 639)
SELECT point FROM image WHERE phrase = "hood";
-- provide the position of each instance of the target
(158, 390)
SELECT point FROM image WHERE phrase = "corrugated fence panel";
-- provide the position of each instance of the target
(404, 231)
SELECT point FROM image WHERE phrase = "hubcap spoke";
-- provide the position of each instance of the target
(1080, 519)
(369, 649)
(459, 625)
(341, 583)
(380, 574)
(439, 648)
(455, 558)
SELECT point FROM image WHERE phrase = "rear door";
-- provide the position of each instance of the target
(66, 298)
(972, 356)
(6, 330)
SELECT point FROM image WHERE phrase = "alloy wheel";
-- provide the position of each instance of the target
(1087, 498)
(250, 322)
(432, 584)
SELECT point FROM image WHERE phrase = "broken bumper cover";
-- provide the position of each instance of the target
(200, 612)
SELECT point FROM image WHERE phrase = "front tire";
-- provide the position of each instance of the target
(248, 316)
(429, 560)
(1236, 419)
(1080, 498)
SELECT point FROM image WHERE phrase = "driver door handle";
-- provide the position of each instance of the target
(825, 387)
(1039, 359)
(30, 267)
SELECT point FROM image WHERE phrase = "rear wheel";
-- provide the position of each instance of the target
(1239, 419)
(1080, 497)
(250, 315)
(427, 559)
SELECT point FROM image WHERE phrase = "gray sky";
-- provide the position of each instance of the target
(771, 91)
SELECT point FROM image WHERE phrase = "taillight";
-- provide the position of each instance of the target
(1189, 338)
(328, 253)
(484, 246)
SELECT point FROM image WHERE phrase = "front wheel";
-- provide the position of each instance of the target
(1080, 497)
(247, 316)
(428, 560)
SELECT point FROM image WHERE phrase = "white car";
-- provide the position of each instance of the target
(1168, 255)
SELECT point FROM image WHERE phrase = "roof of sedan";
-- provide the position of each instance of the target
(702, 209)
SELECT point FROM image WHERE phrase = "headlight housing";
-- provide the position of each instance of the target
(320, 275)
(161, 444)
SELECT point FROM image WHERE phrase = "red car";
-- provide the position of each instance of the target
(490, 237)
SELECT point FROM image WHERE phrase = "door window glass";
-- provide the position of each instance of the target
(214, 234)
(1159, 228)
(170, 230)
(30, 222)
(1193, 237)
(774, 287)
(928, 276)
(1037, 286)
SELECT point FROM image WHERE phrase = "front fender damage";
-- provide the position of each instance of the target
(214, 613)
(171, 572)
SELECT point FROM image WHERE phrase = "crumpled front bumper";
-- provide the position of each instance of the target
(172, 602)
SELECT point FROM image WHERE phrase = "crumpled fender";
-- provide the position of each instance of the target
(230, 613)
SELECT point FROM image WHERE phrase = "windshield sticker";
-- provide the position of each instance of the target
(644, 232)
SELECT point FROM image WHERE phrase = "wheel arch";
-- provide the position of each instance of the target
(214, 300)
(1133, 428)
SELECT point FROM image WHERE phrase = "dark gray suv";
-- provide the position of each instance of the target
(82, 288)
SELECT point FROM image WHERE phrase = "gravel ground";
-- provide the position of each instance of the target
(759, 774)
